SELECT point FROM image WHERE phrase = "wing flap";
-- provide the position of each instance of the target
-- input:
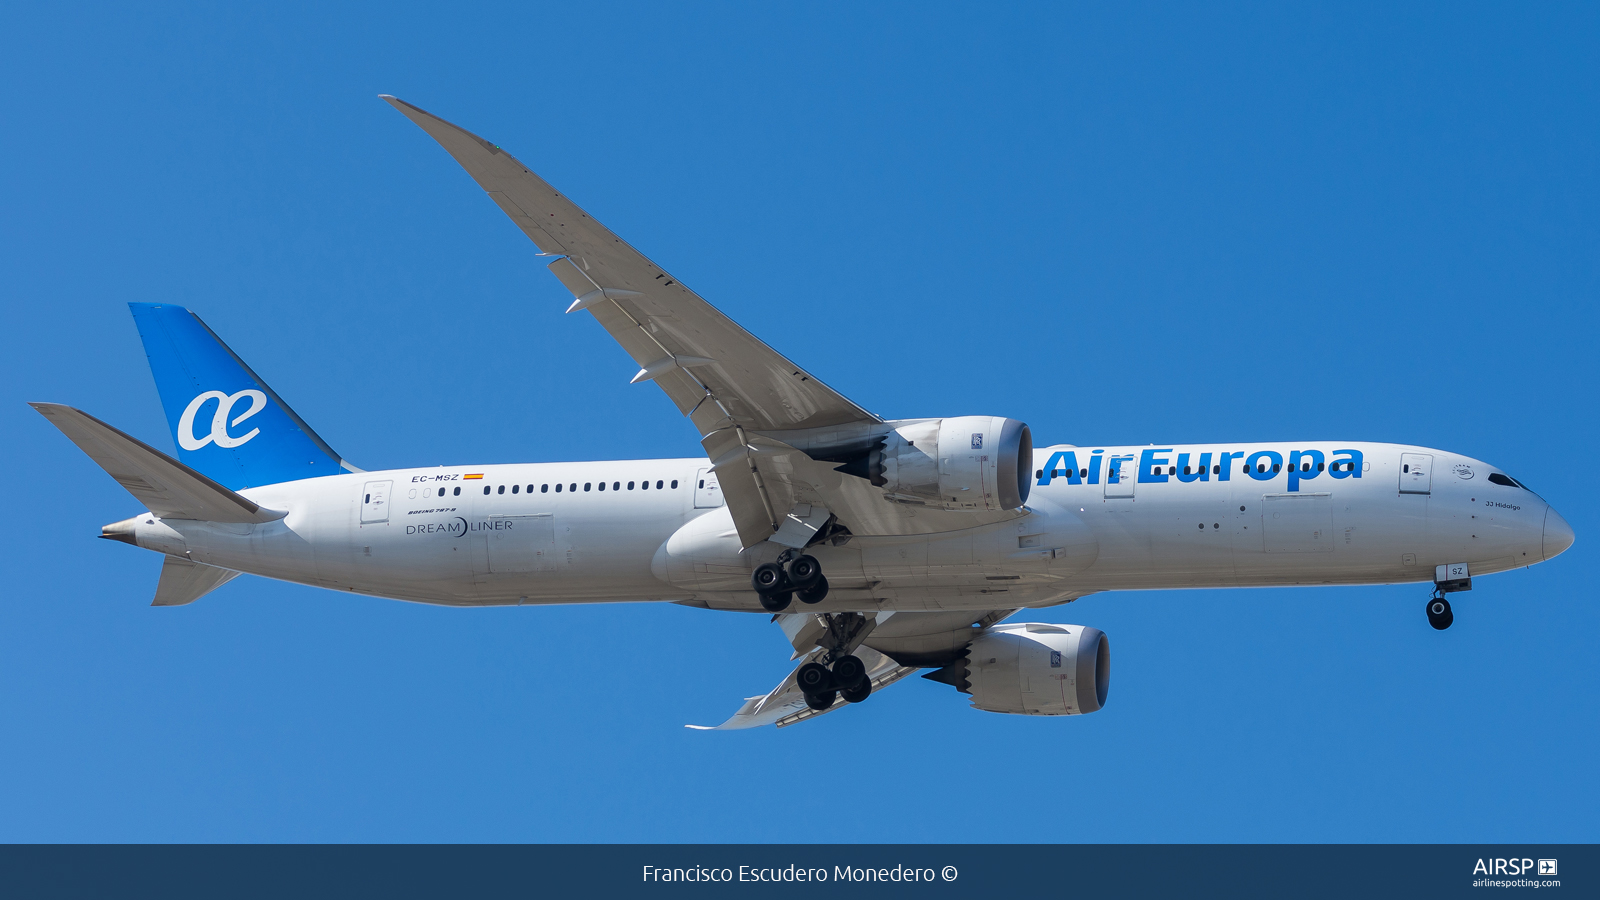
(165, 486)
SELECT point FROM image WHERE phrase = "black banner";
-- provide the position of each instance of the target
(889, 870)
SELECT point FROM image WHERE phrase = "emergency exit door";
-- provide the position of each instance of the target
(375, 502)
(1122, 473)
(707, 493)
(1416, 473)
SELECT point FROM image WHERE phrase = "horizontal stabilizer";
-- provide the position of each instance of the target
(183, 581)
(165, 486)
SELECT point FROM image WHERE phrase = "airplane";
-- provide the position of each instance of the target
(881, 547)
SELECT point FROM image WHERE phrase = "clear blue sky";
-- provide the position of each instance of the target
(1117, 223)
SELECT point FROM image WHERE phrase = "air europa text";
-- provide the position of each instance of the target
(1157, 465)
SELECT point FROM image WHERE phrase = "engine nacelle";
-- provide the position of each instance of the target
(1036, 670)
(967, 462)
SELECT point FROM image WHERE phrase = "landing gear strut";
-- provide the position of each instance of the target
(777, 582)
(1447, 580)
(1439, 614)
(838, 672)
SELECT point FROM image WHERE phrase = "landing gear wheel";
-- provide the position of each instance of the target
(768, 578)
(1439, 614)
(822, 701)
(816, 592)
(849, 672)
(858, 693)
(814, 678)
(804, 572)
(776, 603)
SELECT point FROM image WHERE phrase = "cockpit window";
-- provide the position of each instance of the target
(1506, 480)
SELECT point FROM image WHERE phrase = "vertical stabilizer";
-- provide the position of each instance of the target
(228, 424)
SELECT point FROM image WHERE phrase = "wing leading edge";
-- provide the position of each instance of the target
(727, 381)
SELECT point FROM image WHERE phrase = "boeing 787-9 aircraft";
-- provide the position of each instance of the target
(879, 546)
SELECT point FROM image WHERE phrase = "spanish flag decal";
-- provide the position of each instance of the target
(471, 477)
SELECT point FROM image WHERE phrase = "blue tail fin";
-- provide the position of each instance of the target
(228, 424)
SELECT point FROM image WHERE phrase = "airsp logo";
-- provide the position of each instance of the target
(219, 422)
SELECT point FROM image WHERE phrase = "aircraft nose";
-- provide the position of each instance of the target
(1557, 534)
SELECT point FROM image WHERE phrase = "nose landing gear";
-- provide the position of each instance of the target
(1439, 614)
(1446, 580)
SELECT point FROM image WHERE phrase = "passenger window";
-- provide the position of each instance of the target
(1186, 470)
(1216, 470)
(502, 489)
(367, 499)
(457, 492)
(1173, 470)
(1275, 467)
(543, 488)
(586, 485)
(1319, 467)
(1083, 473)
(572, 488)
(602, 486)
(514, 488)
(674, 484)
(702, 484)
(486, 490)
(1038, 473)
(558, 488)
(616, 485)
(1405, 468)
(630, 485)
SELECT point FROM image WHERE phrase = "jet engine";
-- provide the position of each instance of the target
(968, 462)
(1034, 670)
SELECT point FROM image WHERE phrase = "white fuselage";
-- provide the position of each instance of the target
(509, 537)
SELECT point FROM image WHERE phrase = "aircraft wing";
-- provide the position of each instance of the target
(923, 639)
(746, 399)
(784, 705)
(726, 380)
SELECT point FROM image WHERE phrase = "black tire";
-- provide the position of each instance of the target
(768, 578)
(816, 592)
(822, 701)
(776, 603)
(858, 693)
(804, 571)
(814, 678)
(849, 671)
(1440, 616)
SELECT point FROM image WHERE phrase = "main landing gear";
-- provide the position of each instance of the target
(847, 679)
(837, 672)
(794, 573)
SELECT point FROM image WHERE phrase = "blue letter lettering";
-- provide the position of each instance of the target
(1150, 467)
(1348, 467)
(1204, 473)
(1298, 458)
(1260, 472)
(1050, 470)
